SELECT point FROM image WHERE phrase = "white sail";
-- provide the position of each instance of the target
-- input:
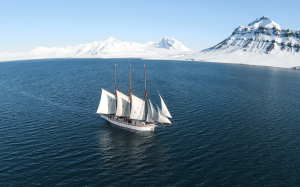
(123, 105)
(107, 103)
(137, 108)
(164, 109)
(149, 115)
(162, 118)
(154, 113)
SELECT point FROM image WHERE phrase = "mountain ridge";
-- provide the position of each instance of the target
(263, 36)
(108, 48)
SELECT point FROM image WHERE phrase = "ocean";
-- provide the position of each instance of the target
(236, 125)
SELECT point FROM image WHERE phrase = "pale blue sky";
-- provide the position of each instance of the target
(198, 24)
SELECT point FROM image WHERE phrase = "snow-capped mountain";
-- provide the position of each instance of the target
(109, 48)
(169, 43)
(262, 36)
(262, 43)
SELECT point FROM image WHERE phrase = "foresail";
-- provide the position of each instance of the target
(162, 118)
(154, 113)
(123, 105)
(149, 114)
(107, 103)
(137, 108)
(164, 109)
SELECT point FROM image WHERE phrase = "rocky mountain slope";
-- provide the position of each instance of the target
(262, 36)
(262, 43)
(110, 48)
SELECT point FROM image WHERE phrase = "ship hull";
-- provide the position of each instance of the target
(148, 127)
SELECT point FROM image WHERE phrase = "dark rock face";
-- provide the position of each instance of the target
(276, 31)
(271, 46)
(268, 31)
(262, 30)
(290, 47)
(249, 42)
(283, 46)
(298, 48)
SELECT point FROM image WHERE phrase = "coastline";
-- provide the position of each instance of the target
(279, 60)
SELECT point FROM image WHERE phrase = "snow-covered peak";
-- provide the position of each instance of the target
(111, 39)
(171, 44)
(259, 19)
(263, 22)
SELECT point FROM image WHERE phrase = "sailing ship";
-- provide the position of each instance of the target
(130, 111)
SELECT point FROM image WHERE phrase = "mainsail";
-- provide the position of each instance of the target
(149, 114)
(164, 109)
(107, 103)
(154, 113)
(137, 108)
(162, 118)
(123, 105)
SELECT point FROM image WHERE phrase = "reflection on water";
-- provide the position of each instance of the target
(131, 153)
(135, 141)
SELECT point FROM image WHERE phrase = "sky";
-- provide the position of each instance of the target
(198, 24)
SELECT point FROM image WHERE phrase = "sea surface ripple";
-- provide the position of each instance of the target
(236, 125)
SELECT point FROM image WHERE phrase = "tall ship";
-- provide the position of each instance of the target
(130, 111)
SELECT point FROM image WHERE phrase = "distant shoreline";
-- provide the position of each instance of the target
(182, 60)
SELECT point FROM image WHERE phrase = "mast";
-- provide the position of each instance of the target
(116, 84)
(130, 78)
(130, 100)
(145, 92)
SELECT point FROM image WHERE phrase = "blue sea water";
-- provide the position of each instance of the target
(236, 125)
